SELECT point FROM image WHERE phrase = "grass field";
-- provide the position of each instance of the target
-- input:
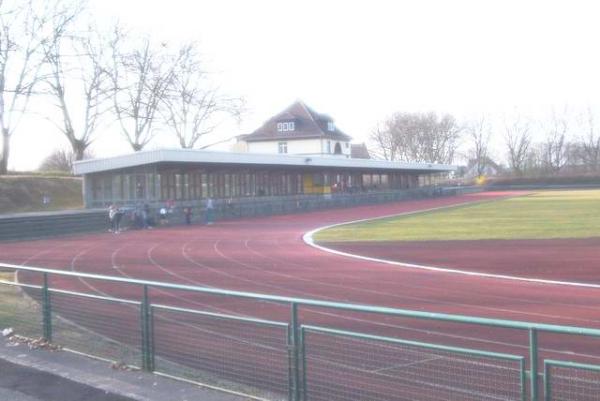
(16, 311)
(548, 214)
(24, 193)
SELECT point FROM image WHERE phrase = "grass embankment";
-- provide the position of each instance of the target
(549, 214)
(16, 311)
(24, 193)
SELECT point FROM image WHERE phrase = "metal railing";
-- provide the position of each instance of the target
(49, 224)
(257, 206)
(268, 347)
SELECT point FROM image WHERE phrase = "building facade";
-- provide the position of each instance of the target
(187, 176)
(298, 130)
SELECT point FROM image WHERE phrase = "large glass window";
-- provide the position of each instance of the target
(167, 186)
(107, 187)
(96, 188)
(204, 179)
(140, 186)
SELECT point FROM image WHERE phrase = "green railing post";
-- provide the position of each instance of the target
(294, 342)
(147, 357)
(151, 337)
(523, 380)
(303, 357)
(46, 310)
(547, 384)
(533, 363)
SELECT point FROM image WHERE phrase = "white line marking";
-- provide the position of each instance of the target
(405, 365)
(309, 240)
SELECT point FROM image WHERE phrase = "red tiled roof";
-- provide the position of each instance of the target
(359, 151)
(307, 124)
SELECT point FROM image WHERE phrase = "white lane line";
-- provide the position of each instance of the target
(405, 365)
(309, 240)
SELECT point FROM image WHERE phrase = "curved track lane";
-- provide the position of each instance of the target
(268, 255)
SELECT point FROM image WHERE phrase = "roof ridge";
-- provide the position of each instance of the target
(312, 113)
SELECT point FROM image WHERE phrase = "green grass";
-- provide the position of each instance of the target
(549, 214)
(24, 193)
(16, 311)
(24, 315)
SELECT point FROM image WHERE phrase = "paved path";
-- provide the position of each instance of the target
(40, 375)
(19, 382)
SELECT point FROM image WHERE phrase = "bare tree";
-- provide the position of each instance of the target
(479, 133)
(78, 81)
(590, 141)
(140, 78)
(385, 140)
(555, 146)
(518, 140)
(418, 137)
(191, 106)
(24, 27)
(61, 160)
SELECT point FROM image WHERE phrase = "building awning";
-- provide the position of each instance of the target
(252, 159)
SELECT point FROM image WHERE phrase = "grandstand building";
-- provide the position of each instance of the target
(297, 152)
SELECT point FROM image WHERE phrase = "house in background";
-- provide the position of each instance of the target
(298, 130)
(297, 152)
(359, 151)
(490, 169)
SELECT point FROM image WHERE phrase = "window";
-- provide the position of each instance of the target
(285, 127)
(328, 146)
(282, 147)
(337, 149)
(347, 145)
(330, 126)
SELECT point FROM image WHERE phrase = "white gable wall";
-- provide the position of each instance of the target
(317, 146)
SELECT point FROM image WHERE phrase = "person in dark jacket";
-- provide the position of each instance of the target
(187, 212)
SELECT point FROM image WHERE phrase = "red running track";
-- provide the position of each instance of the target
(267, 255)
(557, 259)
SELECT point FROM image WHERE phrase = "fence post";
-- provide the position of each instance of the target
(533, 363)
(295, 361)
(547, 384)
(147, 357)
(303, 358)
(46, 310)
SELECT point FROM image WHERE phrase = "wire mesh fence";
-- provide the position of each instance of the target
(250, 355)
(104, 327)
(341, 365)
(269, 355)
(568, 381)
(20, 307)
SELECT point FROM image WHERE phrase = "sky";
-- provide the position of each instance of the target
(360, 61)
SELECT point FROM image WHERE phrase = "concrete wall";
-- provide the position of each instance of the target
(49, 224)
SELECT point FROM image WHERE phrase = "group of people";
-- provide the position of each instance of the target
(115, 215)
(142, 217)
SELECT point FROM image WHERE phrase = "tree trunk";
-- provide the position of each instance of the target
(79, 148)
(5, 152)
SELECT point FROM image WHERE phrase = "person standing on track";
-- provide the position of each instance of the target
(163, 216)
(117, 219)
(187, 211)
(112, 213)
(209, 211)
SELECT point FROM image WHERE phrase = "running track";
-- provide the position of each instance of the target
(268, 255)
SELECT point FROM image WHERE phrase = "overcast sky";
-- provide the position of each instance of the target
(359, 61)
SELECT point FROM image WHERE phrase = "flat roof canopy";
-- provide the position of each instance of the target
(254, 159)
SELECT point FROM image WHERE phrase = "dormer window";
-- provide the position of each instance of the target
(330, 126)
(285, 127)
